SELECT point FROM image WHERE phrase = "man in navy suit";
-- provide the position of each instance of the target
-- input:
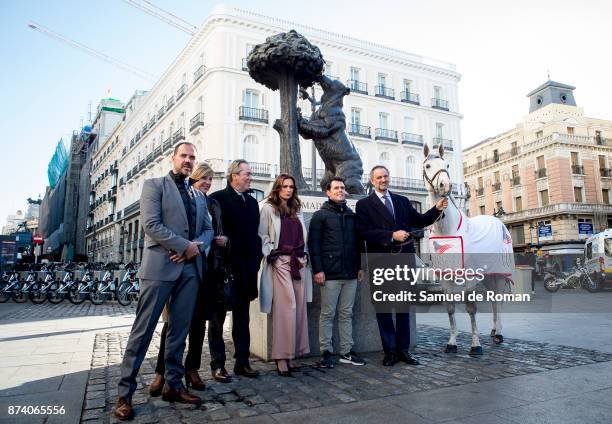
(383, 221)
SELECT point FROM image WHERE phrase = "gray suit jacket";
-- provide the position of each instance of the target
(166, 228)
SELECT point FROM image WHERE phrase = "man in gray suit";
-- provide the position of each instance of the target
(177, 232)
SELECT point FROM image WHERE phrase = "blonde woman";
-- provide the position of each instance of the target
(286, 283)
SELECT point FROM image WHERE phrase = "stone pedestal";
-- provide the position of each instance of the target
(365, 328)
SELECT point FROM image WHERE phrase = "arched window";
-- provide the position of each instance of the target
(410, 171)
(250, 148)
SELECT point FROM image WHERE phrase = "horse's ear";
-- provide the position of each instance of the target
(441, 150)
(425, 150)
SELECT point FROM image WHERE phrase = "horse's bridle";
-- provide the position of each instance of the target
(436, 175)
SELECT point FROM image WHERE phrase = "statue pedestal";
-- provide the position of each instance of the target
(366, 337)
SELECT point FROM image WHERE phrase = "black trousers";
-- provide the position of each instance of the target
(240, 335)
(196, 337)
(394, 338)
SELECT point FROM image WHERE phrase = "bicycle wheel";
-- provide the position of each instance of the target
(53, 294)
(37, 295)
(97, 296)
(77, 294)
(5, 292)
(19, 294)
(123, 293)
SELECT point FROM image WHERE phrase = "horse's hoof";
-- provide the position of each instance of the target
(498, 339)
(476, 351)
(492, 333)
(450, 349)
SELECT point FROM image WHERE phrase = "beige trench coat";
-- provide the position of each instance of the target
(269, 231)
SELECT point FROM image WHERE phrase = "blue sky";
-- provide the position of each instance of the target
(502, 49)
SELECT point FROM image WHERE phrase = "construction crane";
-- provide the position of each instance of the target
(163, 15)
(120, 64)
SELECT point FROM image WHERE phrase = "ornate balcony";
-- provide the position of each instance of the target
(516, 181)
(357, 87)
(412, 139)
(196, 121)
(199, 73)
(170, 103)
(605, 172)
(439, 104)
(385, 92)
(385, 135)
(447, 144)
(178, 135)
(362, 131)
(540, 173)
(578, 169)
(252, 114)
(161, 112)
(408, 97)
(181, 92)
(496, 186)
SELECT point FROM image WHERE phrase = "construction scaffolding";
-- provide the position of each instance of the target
(58, 164)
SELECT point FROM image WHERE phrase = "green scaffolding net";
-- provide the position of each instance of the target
(58, 163)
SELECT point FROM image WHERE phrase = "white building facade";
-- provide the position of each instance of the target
(398, 102)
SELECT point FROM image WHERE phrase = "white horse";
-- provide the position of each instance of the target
(484, 239)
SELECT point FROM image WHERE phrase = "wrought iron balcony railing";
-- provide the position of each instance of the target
(448, 144)
(385, 134)
(199, 73)
(412, 139)
(605, 172)
(178, 135)
(196, 121)
(181, 91)
(252, 114)
(357, 87)
(357, 130)
(516, 180)
(439, 104)
(385, 92)
(578, 169)
(540, 173)
(408, 97)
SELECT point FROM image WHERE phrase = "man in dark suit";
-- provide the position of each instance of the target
(240, 220)
(177, 232)
(383, 221)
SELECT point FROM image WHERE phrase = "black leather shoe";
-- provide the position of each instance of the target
(407, 358)
(221, 375)
(389, 360)
(246, 371)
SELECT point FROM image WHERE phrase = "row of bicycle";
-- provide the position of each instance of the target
(54, 282)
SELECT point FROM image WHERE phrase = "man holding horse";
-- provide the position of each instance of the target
(384, 221)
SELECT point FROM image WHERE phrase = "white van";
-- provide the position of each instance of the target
(598, 257)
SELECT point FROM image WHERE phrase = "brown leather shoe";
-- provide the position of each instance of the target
(180, 395)
(156, 386)
(221, 375)
(245, 371)
(123, 409)
(192, 378)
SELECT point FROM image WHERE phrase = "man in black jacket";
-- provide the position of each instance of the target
(334, 254)
(383, 221)
(240, 220)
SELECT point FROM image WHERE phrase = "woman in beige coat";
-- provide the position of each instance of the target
(286, 284)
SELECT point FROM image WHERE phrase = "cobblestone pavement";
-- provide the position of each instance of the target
(66, 309)
(314, 387)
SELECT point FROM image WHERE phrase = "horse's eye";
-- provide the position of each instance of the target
(427, 166)
(447, 165)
